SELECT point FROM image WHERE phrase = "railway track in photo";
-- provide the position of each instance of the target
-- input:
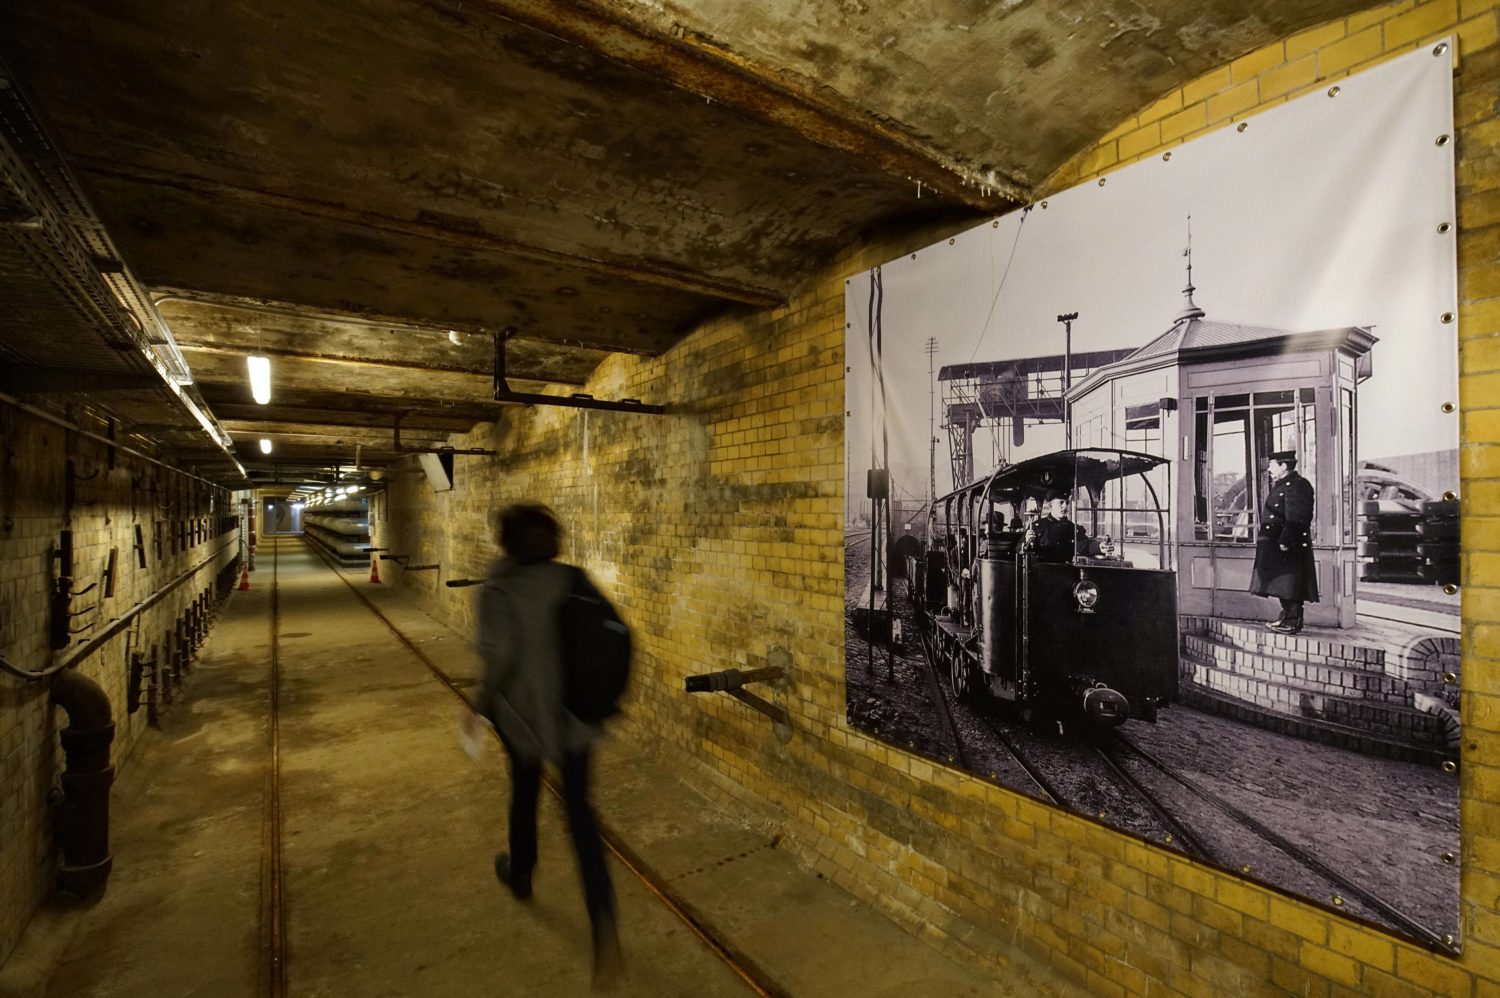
(935, 690)
(1105, 775)
(1342, 891)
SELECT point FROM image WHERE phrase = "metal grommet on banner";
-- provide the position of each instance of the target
(1166, 156)
(1446, 317)
(1333, 91)
(1449, 940)
(1449, 858)
(996, 223)
(1443, 228)
(1102, 180)
(1101, 815)
(1242, 126)
(1450, 677)
(950, 242)
(1450, 589)
(1448, 407)
(1044, 206)
(1245, 869)
(914, 256)
(1450, 496)
(1441, 48)
(1167, 838)
(1449, 766)
(1338, 901)
(1442, 140)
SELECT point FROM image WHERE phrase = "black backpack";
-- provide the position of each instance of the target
(595, 648)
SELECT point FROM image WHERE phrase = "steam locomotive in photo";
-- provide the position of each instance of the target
(1059, 614)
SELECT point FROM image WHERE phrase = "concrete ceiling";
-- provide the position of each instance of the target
(368, 190)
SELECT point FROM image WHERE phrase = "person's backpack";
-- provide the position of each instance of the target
(595, 650)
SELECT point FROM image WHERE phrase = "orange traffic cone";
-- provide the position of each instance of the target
(245, 577)
(374, 568)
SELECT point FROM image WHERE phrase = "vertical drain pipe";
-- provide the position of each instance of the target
(83, 817)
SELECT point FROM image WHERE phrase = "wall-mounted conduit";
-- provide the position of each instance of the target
(113, 627)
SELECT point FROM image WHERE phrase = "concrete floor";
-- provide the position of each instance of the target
(388, 833)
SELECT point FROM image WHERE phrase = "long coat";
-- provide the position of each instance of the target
(1285, 522)
(518, 640)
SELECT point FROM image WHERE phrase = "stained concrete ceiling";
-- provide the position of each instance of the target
(367, 192)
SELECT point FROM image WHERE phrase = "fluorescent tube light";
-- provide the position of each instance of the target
(260, 379)
(265, 445)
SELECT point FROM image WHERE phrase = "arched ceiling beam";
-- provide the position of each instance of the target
(699, 65)
(470, 237)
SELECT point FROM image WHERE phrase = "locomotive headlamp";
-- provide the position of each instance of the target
(1087, 594)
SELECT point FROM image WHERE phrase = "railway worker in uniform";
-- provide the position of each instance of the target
(1054, 537)
(522, 695)
(1284, 566)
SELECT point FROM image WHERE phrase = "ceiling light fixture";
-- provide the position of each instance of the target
(265, 445)
(260, 378)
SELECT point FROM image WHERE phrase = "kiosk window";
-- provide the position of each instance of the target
(1234, 438)
(1143, 428)
(1231, 463)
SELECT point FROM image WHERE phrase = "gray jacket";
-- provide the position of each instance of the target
(522, 690)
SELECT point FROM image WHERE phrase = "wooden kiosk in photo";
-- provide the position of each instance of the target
(1219, 398)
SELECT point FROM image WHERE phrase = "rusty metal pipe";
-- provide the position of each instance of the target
(82, 827)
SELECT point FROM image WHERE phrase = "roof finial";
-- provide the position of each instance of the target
(1192, 311)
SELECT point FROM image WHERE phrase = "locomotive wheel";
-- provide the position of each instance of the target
(958, 677)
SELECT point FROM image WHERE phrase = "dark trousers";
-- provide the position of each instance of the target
(526, 783)
(1291, 612)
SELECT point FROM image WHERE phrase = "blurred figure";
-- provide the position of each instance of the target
(522, 695)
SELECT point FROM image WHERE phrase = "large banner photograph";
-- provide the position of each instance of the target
(1152, 506)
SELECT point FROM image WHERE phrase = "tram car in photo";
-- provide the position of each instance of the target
(1061, 617)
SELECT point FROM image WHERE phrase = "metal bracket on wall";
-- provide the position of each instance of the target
(578, 400)
(731, 681)
(109, 572)
(468, 451)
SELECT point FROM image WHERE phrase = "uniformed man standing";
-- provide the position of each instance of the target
(1284, 565)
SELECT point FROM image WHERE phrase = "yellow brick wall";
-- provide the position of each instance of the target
(719, 528)
(1330, 955)
(110, 503)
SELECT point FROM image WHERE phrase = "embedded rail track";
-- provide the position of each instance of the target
(273, 976)
(1098, 775)
(935, 691)
(1118, 744)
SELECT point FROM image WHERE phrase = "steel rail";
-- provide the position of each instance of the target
(1190, 841)
(1048, 789)
(935, 690)
(746, 969)
(274, 940)
(1296, 852)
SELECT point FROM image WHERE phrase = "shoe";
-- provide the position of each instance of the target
(1284, 628)
(519, 886)
(609, 964)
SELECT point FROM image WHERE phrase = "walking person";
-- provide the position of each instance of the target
(522, 695)
(1284, 563)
